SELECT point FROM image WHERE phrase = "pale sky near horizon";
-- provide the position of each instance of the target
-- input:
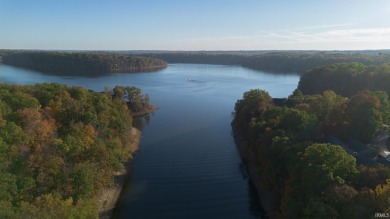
(195, 24)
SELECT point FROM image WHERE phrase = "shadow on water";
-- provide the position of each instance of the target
(141, 121)
(135, 188)
(255, 206)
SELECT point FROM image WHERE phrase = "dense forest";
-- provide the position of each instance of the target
(300, 62)
(199, 58)
(80, 63)
(346, 78)
(287, 144)
(277, 62)
(100, 62)
(60, 145)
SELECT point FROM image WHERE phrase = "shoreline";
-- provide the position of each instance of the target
(108, 196)
(268, 201)
(150, 109)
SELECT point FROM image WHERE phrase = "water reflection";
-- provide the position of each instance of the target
(255, 202)
(188, 165)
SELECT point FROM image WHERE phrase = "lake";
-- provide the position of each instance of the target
(188, 165)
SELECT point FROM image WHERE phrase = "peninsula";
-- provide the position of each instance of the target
(80, 63)
(65, 151)
(322, 152)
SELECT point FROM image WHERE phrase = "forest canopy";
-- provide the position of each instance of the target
(271, 61)
(309, 176)
(59, 146)
(80, 63)
(98, 62)
(346, 78)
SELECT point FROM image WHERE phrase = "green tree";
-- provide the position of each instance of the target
(119, 92)
(322, 166)
(252, 105)
(8, 186)
(328, 163)
(147, 100)
(384, 105)
(365, 119)
(134, 98)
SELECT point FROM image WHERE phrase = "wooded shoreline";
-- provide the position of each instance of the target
(149, 109)
(269, 203)
(109, 196)
(297, 170)
(102, 62)
(81, 63)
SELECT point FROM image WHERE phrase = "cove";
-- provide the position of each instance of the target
(188, 165)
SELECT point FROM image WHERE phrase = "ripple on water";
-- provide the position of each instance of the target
(188, 166)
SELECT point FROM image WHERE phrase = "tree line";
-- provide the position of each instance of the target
(80, 63)
(277, 62)
(59, 146)
(346, 78)
(301, 62)
(92, 63)
(309, 177)
(132, 96)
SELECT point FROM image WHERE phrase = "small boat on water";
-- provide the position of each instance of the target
(189, 79)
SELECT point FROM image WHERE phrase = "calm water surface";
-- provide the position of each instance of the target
(188, 166)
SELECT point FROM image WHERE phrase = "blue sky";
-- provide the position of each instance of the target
(195, 24)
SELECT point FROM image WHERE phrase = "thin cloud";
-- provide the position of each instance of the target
(324, 26)
(281, 36)
(360, 33)
(352, 38)
(303, 36)
(339, 35)
(222, 38)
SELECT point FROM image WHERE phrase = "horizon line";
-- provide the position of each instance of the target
(167, 50)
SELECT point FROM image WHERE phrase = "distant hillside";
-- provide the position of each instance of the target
(80, 63)
(200, 57)
(346, 79)
(275, 61)
(301, 62)
(101, 62)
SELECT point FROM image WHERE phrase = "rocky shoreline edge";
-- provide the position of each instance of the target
(108, 197)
